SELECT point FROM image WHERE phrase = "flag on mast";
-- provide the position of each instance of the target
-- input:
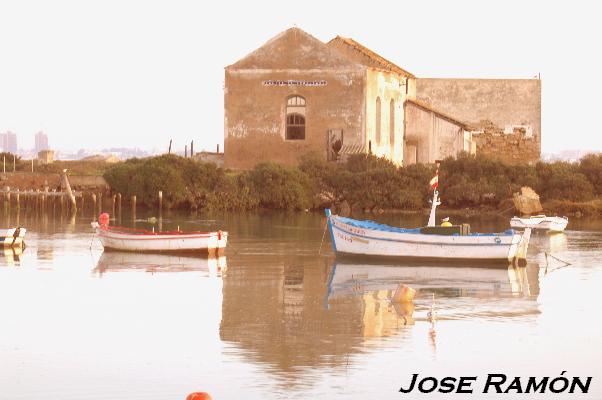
(435, 181)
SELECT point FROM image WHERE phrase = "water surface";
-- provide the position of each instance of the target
(278, 317)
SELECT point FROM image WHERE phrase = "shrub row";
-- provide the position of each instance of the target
(364, 181)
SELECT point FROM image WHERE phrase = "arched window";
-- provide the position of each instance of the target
(392, 123)
(295, 118)
(377, 127)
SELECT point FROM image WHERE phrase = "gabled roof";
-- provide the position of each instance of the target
(427, 107)
(365, 56)
(295, 49)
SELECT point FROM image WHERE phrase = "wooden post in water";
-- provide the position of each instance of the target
(94, 206)
(67, 186)
(134, 207)
(7, 200)
(119, 205)
(44, 199)
(53, 202)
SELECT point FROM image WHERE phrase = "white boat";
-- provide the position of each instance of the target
(433, 243)
(553, 224)
(148, 241)
(13, 237)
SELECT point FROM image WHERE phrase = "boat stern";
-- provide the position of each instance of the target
(518, 251)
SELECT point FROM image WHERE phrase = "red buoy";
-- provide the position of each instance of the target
(103, 219)
(198, 396)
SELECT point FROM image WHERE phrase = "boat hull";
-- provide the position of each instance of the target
(552, 224)
(352, 240)
(210, 242)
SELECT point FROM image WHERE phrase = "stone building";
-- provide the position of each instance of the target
(504, 115)
(432, 135)
(296, 95)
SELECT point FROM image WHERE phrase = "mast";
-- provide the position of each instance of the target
(436, 202)
(435, 185)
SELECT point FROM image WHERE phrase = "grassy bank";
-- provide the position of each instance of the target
(364, 182)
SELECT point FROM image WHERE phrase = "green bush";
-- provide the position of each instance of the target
(280, 187)
(364, 181)
(591, 167)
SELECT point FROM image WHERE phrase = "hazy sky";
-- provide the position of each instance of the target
(137, 73)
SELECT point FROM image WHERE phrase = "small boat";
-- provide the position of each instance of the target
(431, 243)
(149, 241)
(13, 237)
(541, 222)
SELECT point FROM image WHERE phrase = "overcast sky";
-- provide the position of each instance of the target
(137, 73)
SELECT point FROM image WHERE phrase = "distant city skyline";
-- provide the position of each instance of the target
(137, 74)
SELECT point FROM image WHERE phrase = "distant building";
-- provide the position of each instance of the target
(41, 142)
(46, 156)
(8, 142)
(295, 95)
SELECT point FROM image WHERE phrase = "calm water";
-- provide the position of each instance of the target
(279, 318)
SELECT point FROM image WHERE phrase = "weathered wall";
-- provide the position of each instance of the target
(431, 137)
(255, 115)
(256, 93)
(512, 148)
(387, 86)
(504, 103)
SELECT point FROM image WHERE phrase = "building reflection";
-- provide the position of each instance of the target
(306, 312)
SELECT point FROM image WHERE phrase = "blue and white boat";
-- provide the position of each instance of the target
(431, 243)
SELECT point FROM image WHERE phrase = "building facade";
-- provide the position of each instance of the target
(296, 95)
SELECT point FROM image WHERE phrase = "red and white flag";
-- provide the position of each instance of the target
(435, 182)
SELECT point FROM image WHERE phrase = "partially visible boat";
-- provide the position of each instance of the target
(540, 222)
(13, 237)
(149, 241)
(431, 243)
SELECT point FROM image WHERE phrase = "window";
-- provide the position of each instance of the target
(295, 118)
(392, 123)
(295, 127)
(377, 127)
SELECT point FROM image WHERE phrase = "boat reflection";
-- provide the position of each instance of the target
(116, 261)
(289, 313)
(12, 256)
(552, 242)
(360, 279)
